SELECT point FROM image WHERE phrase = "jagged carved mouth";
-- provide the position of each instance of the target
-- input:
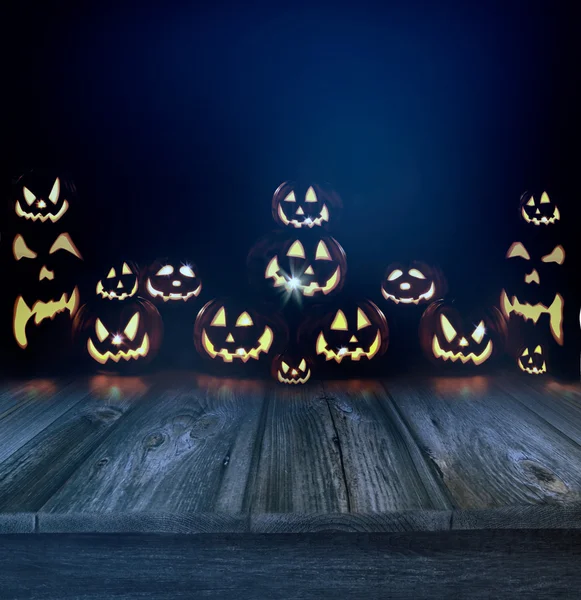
(534, 311)
(291, 283)
(103, 358)
(40, 217)
(309, 222)
(40, 311)
(446, 355)
(533, 370)
(172, 295)
(422, 297)
(264, 344)
(295, 380)
(322, 347)
(112, 295)
(542, 220)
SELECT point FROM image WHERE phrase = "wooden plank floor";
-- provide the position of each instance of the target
(181, 452)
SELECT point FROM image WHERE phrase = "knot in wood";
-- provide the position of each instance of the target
(154, 440)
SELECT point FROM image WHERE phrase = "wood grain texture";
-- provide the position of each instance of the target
(490, 450)
(17, 523)
(34, 472)
(189, 449)
(428, 565)
(299, 466)
(383, 466)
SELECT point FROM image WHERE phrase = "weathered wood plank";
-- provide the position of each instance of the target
(37, 469)
(17, 523)
(557, 402)
(490, 450)
(33, 408)
(190, 450)
(384, 469)
(426, 565)
(299, 468)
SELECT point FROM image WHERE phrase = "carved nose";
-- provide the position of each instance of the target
(176, 283)
(230, 338)
(353, 339)
(300, 211)
(537, 212)
(404, 286)
(294, 372)
(41, 204)
(533, 277)
(119, 285)
(45, 274)
(463, 342)
(309, 270)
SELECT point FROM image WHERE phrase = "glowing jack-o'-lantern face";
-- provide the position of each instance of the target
(310, 266)
(416, 283)
(42, 197)
(38, 268)
(169, 281)
(119, 283)
(446, 336)
(539, 211)
(120, 336)
(534, 299)
(291, 369)
(304, 207)
(532, 361)
(233, 333)
(348, 332)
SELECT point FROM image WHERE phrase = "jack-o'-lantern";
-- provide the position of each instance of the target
(305, 206)
(449, 334)
(413, 283)
(310, 266)
(532, 360)
(121, 335)
(537, 296)
(167, 280)
(351, 331)
(43, 196)
(291, 368)
(119, 283)
(538, 211)
(45, 276)
(235, 332)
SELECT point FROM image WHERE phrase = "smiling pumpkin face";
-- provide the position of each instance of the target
(119, 282)
(539, 210)
(310, 267)
(449, 336)
(172, 281)
(43, 197)
(414, 283)
(235, 333)
(305, 206)
(531, 360)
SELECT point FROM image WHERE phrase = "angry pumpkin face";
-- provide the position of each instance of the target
(226, 330)
(447, 335)
(42, 196)
(291, 368)
(413, 283)
(304, 207)
(532, 361)
(172, 281)
(120, 336)
(310, 266)
(539, 211)
(119, 283)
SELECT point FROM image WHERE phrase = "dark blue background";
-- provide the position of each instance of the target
(179, 121)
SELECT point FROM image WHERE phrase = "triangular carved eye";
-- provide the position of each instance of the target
(64, 242)
(131, 330)
(322, 252)
(285, 367)
(296, 250)
(538, 350)
(220, 319)
(545, 198)
(362, 320)
(28, 196)
(101, 331)
(244, 320)
(111, 273)
(518, 250)
(125, 270)
(531, 201)
(55, 192)
(303, 365)
(525, 352)
(290, 197)
(339, 322)
(447, 328)
(21, 250)
(479, 332)
(310, 195)
(556, 256)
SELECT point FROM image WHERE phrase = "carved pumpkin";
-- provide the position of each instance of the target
(173, 281)
(119, 282)
(46, 275)
(43, 196)
(534, 280)
(119, 335)
(310, 266)
(413, 283)
(532, 360)
(291, 368)
(449, 334)
(350, 332)
(305, 206)
(235, 332)
(538, 210)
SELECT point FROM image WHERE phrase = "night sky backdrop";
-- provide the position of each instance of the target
(178, 121)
